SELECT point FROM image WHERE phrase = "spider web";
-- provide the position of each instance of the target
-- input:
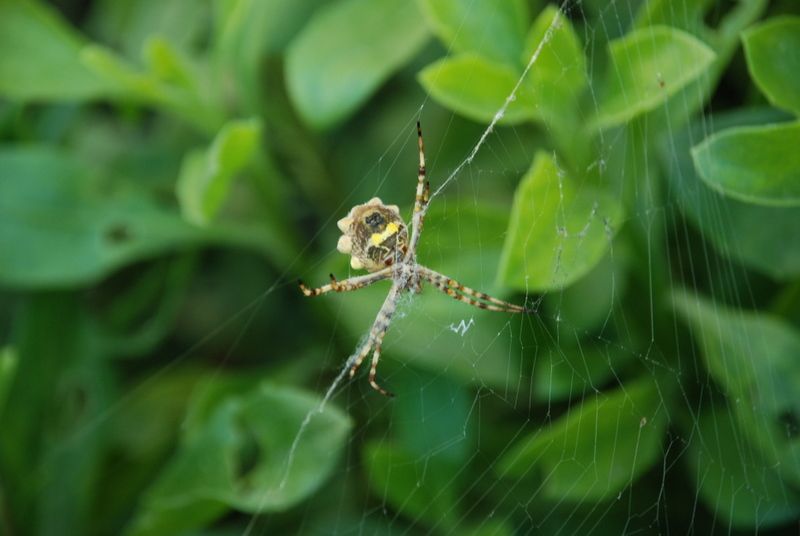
(473, 386)
(601, 356)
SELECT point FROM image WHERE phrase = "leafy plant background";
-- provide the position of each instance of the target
(167, 170)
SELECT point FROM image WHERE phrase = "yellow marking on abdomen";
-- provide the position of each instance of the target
(379, 238)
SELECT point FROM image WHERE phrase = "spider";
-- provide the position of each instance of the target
(376, 238)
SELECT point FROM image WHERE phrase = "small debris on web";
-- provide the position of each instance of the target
(462, 327)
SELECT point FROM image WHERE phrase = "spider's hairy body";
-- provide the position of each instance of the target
(406, 276)
(377, 240)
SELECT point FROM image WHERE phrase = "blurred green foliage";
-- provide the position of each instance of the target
(167, 170)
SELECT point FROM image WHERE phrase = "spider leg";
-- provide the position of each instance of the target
(376, 355)
(375, 339)
(346, 285)
(361, 355)
(421, 199)
(456, 290)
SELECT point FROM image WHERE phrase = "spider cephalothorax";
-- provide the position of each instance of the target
(375, 236)
(377, 239)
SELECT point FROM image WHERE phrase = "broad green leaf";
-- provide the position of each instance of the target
(557, 81)
(146, 425)
(734, 481)
(561, 62)
(238, 458)
(571, 371)
(730, 340)
(412, 486)
(495, 29)
(597, 449)
(148, 88)
(559, 229)
(249, 30)
(169, 65)
(76, 454)
(774, 63)
(646, 67)
(431, 330)
(52, 414)
(766, 239)
(434, 423)
(206, 176)
(477, 88)
(29, 398)
(254, 28)
(724, 39)
(587, 304)
(60, 225)
(127, 26)
(347, 50)
(40, 56)
(758, 165)
(689, 18)
(753, 356)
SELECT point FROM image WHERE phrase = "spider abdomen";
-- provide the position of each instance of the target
(374, 235)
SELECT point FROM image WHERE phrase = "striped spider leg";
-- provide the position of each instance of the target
(377, 240)
(456, 290)
(375, 338)
(421, 200)
(351, 283)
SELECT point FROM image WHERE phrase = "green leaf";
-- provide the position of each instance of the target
(40, 56)
(596, 450)
(688, 18)
(206, 176)
(53, 413)
(60, 225)
(434, 423)
(495, 29)
(146, 87)
(766, 239)
(127, 26)
(412, 486)
(724, 38)
(237, 458)
(730, 339)
(169, 65)
(753, 356)
(559, 229)
(557, 81)
(646, 67)
(771, 51)
(587, 304)
(561, 62)
(733, 480)
(248, 31)
(347, 50)
(571, 371)
(754, 164)
(476, 88)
